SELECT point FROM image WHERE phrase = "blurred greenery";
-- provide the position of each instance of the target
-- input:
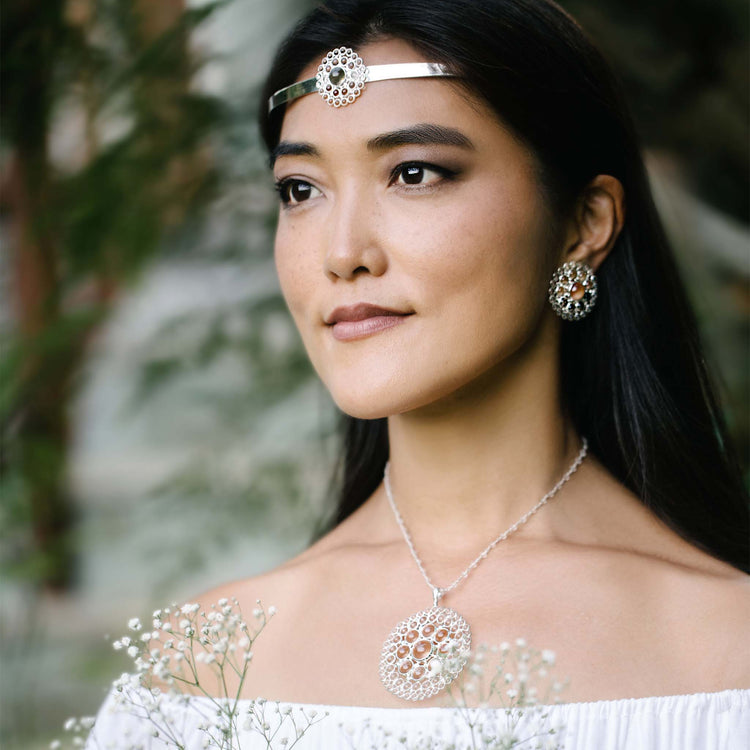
(81, 233)
(115, 163)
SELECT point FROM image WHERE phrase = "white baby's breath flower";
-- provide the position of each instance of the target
(511, 693)
(548, 657)
(521, 642)
(272, 611)
(134, 623)
(133, 652)
(141, 665)
(190, 608)
(220, 646)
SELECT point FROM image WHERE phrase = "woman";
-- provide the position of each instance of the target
(567, 424)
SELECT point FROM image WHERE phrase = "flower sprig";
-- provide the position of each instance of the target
(516, 678)
(189, 652)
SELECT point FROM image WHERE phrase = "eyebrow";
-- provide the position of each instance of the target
(424, 134)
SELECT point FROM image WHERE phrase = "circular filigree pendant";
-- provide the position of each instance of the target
(341, 77)
(572, 290)
(424, 653)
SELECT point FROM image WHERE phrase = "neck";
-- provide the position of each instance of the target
(466, 469)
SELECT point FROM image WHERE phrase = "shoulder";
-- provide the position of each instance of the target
(688, 609)
(287, 587)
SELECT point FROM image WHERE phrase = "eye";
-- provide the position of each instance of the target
(292, 191)
(420, 173)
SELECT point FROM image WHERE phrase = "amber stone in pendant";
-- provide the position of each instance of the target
(441, 634)
(418, 672)
(428, 629)
(404, 667)
(412, 636)
(421, 649)
(577, 291)
(402, 651)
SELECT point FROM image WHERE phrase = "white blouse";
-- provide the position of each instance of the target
(700, 721)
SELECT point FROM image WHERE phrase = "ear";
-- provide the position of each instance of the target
(596, 222)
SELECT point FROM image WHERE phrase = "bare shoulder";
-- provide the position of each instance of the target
(662, 594)
(694, 607)
(286, 587)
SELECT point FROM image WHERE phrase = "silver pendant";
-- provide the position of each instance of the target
(424, 653)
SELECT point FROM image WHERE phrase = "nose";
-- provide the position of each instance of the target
(354, 244)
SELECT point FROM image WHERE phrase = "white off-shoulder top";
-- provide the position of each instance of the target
(699, 721)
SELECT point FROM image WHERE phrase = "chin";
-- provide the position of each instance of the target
(365, 406)
(386, 400)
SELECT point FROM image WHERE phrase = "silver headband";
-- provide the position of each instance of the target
(342, 76)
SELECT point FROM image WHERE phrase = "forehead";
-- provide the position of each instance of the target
(387, 106)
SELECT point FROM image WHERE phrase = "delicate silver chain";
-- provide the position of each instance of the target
(438, 592)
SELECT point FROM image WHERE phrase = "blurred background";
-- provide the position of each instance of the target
(161, 428)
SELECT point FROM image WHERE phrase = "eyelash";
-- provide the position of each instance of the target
(285, 185)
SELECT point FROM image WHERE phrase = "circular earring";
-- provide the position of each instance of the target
(572, 291)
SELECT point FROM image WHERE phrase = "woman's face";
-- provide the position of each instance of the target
(413, 244)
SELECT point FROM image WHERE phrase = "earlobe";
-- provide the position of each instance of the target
(598, 221)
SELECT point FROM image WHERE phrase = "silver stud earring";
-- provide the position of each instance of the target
(572, 291)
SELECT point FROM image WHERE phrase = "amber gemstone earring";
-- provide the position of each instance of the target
(572, 290)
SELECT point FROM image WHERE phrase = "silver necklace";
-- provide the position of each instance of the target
(414, 662)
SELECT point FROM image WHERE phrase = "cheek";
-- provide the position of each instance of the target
(292, 268)
(489, 260)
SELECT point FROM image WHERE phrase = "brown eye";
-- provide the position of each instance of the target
(292, 192)
(422, 174)
(413, 175)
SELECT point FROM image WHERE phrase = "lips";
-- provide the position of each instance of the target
(362, 320)
(361, 311)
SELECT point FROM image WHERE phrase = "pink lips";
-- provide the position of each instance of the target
(362, 320)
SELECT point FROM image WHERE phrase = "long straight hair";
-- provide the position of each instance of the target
(634, 379)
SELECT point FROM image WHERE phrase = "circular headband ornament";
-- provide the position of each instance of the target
(572, 291)
(342, 76)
